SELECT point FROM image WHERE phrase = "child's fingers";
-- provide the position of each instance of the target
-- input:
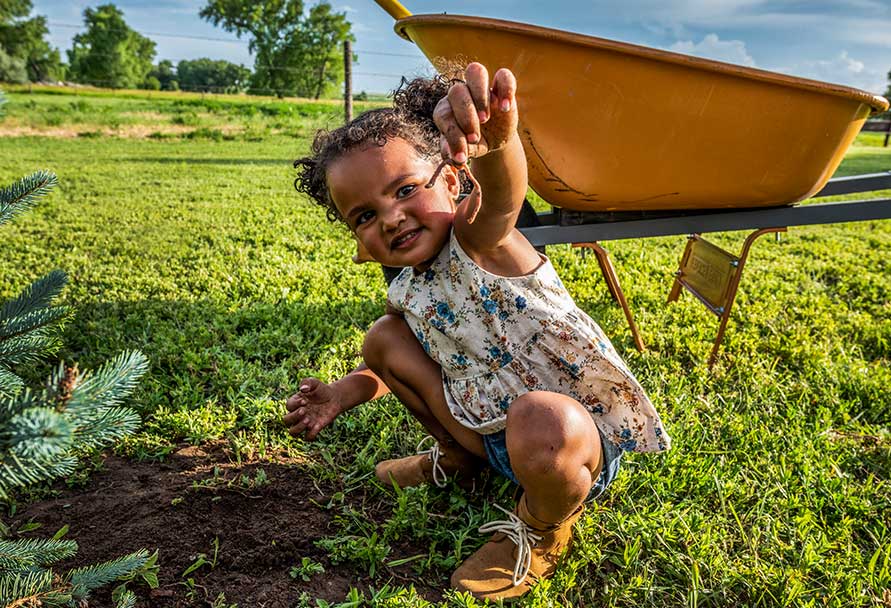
(294, 401)
(297, 426)
(465, 112)
(454, 137)
(478, 85)
(307, 385)
(504, 89)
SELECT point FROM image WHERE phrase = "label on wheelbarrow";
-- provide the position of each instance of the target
(707, 270)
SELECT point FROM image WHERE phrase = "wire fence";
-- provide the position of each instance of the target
(212, 39)
(108, 83)
(229, 90)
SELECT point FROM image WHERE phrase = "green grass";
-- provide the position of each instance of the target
(162, 114)
(199, 252)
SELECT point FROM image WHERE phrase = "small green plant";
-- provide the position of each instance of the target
(306, 570)
(369, 551)
(202, 559)
(240, 483)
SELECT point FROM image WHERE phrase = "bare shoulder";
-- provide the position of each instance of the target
(513, 256)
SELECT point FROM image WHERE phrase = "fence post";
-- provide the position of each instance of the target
(347, 81)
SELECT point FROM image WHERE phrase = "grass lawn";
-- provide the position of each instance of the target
(193, 246)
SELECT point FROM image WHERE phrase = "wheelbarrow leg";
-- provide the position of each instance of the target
(713, 276)
(615, 290)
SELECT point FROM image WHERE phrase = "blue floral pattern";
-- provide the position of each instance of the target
(497, 338)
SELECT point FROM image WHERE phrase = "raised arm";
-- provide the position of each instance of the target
(478, 121)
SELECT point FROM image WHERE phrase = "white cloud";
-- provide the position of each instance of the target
(842, 69)
(712, 47)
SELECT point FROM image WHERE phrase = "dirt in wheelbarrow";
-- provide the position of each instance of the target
(259, 519)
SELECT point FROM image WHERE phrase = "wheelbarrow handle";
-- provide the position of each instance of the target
(396, 10)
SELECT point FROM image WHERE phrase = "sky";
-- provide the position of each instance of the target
(841, 41)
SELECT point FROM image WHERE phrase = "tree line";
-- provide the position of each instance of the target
(297, 50)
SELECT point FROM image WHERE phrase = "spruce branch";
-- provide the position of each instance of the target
(38, 433)
(16, 472)
(29, 348)
(109, 426)
(110, 384)
(26, 589)
(10, 384)
(20, 196)
(11, 405)
(28, 553)
(39, 295)
(127, 599)
(84, 580)
(32, 321)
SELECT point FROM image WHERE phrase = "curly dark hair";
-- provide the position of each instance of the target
(410, 118)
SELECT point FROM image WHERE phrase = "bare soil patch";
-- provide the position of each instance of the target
(181, 505)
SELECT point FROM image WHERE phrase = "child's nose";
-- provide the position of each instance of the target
(393, 217)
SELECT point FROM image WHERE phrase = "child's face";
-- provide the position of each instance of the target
(380, 192)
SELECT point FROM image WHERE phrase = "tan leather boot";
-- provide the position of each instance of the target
(523, 550)
(434, 464)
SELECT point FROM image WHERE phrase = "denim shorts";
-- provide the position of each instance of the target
(496, 450)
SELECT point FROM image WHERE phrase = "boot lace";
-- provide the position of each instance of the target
(521, 534)
(439, 474)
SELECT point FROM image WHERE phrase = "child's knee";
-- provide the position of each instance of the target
(381, 338)
(545, 430)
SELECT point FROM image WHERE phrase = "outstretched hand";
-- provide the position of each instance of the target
(474, 120)
(474, 117)
(312, 409)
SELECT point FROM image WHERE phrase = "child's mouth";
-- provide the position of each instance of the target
(405, 239)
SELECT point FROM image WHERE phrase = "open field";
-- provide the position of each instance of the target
(196, 249)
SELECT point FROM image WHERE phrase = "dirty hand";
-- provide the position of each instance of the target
(312, 409)
(476, 118)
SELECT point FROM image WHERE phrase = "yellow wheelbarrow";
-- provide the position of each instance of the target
(610, 126)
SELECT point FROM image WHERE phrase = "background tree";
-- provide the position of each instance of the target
(43, 431)
(212, 75)
(12, 69)
(165, 73)
(109, 53)
(297, 53)
(23, 45)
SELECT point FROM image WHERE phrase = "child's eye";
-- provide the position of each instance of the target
(363, 217)
(405, 191)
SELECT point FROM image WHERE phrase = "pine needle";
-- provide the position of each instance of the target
(22, 195)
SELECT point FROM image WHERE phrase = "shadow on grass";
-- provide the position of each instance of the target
(202, 350)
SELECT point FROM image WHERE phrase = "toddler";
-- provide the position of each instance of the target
(480, 339)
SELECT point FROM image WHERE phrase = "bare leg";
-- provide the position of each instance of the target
(555, 452)
(393, 352)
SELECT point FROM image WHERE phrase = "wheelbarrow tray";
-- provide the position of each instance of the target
(611, 126)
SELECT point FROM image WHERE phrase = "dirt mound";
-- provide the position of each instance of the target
(259, 518)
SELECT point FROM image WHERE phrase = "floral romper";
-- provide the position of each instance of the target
(497, 338)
